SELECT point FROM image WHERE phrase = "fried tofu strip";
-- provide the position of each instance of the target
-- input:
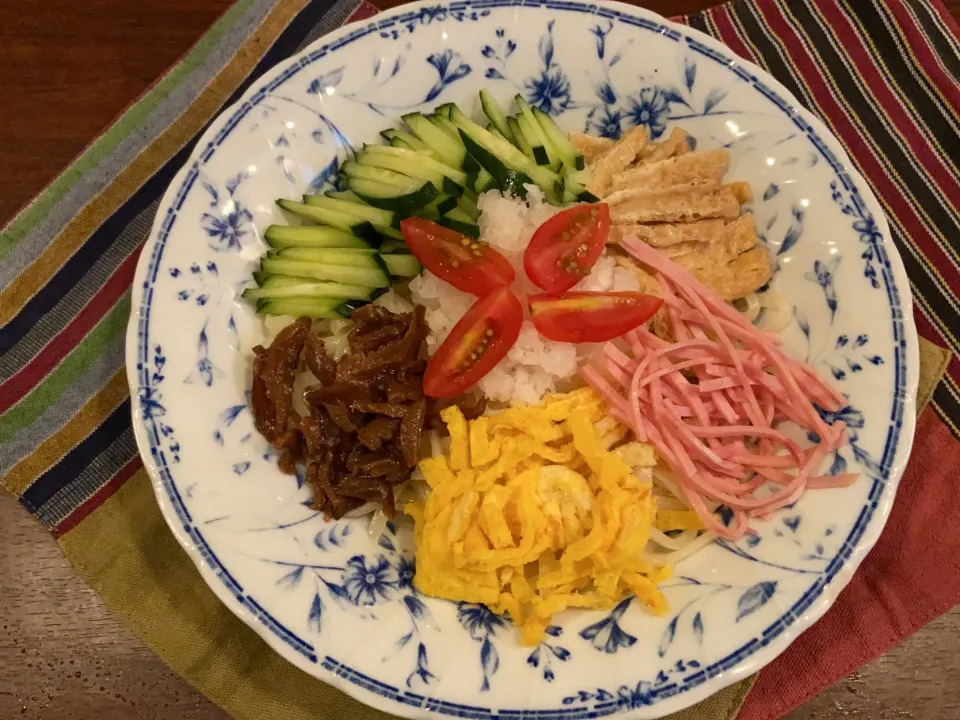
(732, 264)
(616, 159)
(675, 144)
(731, 240)
(642, 191)
(590, 146)
(667, 234)
(742, 191)
(695, 168)
(751, 271)
(674, 205)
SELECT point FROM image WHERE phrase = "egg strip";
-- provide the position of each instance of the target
(538, 510)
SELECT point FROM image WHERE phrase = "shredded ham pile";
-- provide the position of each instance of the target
(718, 433)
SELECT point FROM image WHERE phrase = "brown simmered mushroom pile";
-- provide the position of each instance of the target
(367, 411)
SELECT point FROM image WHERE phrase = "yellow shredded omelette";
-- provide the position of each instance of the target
(532, 513)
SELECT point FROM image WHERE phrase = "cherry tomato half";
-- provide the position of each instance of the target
(564, 249)
(591, 316)
(475, 345)
(469, 265)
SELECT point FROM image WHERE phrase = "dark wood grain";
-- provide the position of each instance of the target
(67, 69)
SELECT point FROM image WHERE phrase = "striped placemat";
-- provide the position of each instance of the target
(883, 75)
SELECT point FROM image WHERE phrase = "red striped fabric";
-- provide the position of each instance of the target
(911, 576)
(793, 39)
(919, 43)
(102, 494)
(68, 338)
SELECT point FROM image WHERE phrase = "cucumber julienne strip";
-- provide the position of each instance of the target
(318, 308)
(507, 179)
(389, 197)
(368, 277)
(436, 171)
(311, 289)
(493, 111)
(420, 160)
(374, 216)
(406, 140)
(519, 139)
(281, 236)
(532, 141)
(535, 134)
(401, 265)
(458, 220)
(561, 141)
(350, 257)
(508, 156)
(414, 168)
(436, 139)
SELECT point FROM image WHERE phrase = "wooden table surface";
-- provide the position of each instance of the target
(67, 69)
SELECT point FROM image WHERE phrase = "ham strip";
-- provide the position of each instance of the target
(712, 402)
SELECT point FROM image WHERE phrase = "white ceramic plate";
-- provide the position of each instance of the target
(342, 607)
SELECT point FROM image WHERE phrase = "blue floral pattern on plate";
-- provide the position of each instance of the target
(342, 606)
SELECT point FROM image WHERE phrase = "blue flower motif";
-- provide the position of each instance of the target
(605, 121)
(450, 67)
(848, 414)
(429, 14)
(227, 229)
(795, 231)
(151, 407)
(631, 698)
(368, 584)
(650, 109)
(479, 620)
(422, 671)
(641, 695)
(606, 93)
(205, 371)
(233, 183)
(601, 34)
(406, 569)
(541, 655)
(550, 92)
(867, 227)
(416, 607)
(823, 274)
(754, 598)
(482, 624)
(326, 82)
(607, 635)
(212, 191)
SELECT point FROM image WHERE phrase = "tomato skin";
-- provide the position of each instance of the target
(581, 317)
(494, 322)
(467, 264)
(564, 249)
